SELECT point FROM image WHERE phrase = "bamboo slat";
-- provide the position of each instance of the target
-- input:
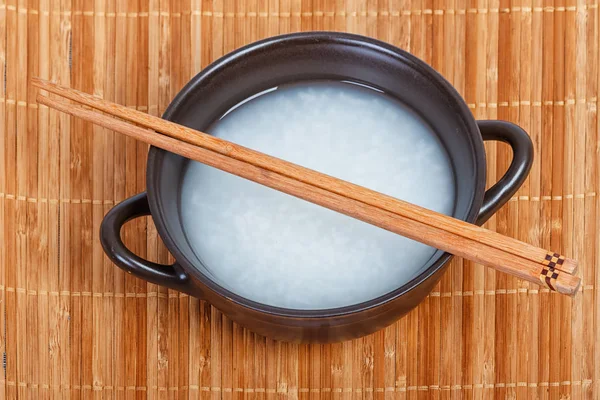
(73, 326)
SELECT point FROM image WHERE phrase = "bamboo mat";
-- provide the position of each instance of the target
(74, 326)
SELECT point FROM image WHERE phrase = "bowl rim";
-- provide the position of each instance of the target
(323, 37)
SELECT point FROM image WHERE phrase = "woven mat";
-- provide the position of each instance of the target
(74, 325)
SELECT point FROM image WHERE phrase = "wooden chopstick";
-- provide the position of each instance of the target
(314, 178)
(469, 248)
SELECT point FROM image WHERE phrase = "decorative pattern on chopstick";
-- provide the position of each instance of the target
(309, 176)
(554, 259)
(550, 273)
(461, 246)
(549, 276)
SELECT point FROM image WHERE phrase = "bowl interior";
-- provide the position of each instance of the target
(248, 71)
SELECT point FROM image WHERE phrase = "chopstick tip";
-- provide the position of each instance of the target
(37, 81)
(41, 99)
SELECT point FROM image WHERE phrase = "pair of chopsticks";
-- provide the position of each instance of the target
(455, 236)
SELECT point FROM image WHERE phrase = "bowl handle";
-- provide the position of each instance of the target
(171, 276)
(522, 148)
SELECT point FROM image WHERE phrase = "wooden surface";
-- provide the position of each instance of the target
(74, 326)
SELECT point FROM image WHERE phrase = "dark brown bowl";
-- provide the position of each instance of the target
(309, 56)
